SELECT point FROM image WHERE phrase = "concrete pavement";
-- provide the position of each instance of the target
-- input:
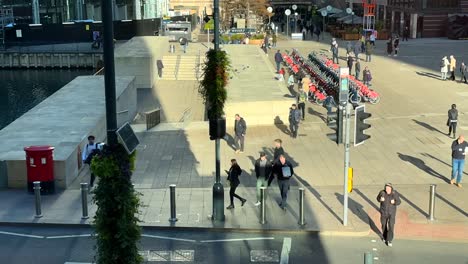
(408, 148)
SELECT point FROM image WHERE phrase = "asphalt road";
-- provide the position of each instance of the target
(21, 245)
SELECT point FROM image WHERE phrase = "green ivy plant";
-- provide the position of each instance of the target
(116, 220)
(213, 85)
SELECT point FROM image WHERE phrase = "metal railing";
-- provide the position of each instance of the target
(153, 118)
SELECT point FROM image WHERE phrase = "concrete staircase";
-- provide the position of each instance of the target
(188, 68)
(170, 67)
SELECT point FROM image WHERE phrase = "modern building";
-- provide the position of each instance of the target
(59, 11)
(425, 18)
(188, 7)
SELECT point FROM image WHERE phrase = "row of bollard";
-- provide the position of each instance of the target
(173, 217)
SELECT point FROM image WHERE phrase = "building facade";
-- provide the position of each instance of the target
(424, 18)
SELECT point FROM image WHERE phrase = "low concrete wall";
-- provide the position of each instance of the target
(138, 56)
(64, 120)
(49, 60)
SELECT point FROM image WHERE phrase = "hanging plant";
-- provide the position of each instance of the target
(116, 219)
(213, 85)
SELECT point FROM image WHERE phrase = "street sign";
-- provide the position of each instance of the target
(294, 7)
(324, 13)
(287, 12)
(344, 85)
(270, 9)
(241, 30)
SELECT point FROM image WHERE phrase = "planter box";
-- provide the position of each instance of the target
(257, 42)
(351, 36)
(383, 35)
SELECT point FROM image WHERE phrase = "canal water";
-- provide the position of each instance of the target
(21, 90)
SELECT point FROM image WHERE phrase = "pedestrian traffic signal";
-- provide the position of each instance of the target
(360, 125)
(335, 122)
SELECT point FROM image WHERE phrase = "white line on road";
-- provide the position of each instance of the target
(20, 235)
(285, 251)
(237, 239)
(68, 236)
(170, 238)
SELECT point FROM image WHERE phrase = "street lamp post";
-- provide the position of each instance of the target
(287, 12)
(109, 71)
(270, 10)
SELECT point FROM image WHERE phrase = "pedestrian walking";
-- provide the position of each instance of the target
(349, 48)
(406, 34)
(335, 50)
(278, 150)
(366, 76)
(184, 43)
(317, 32)
(283, 171)
(294, 120)
(357, 67)
(350, 62)
(233, 178)
(363, 43)
(263, 169)
(90, 151)
(396, 45)
(390, 46)
(274, 40)
(291, 81)
(369, 50)
(389, 199)
(463, 71)
(459, 149)
(372, 38)
(453, 66)
(278, 60)
(240, 128)
(357, 49)
(301, 101)
(444, 67)
(452, 120)
(304, 33)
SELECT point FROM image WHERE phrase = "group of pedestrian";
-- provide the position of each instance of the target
(447, 66)
(393, 45)
(265, 171)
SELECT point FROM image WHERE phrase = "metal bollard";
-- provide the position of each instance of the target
(368, 258)
(37, 193)
(301, 207)
(432, 192)
(262, 206)
(173, 204)
(84, 200)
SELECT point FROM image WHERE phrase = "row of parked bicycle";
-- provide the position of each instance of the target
(324, 76)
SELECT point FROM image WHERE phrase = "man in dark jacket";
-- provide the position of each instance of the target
(459, 149)
(357, 67)
(283, 171)
(240, 127)
(294, 120)
(278, 150)
(452, 120)
(263, 169)
(389, 199)
(278, 60)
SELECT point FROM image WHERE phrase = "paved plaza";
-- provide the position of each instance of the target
(408, 147)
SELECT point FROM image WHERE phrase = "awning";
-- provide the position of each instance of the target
(350, 19)
(332, 11)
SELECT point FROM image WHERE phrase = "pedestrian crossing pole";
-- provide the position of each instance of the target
(343, 98)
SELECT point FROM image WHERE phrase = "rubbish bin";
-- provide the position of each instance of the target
(40, 167)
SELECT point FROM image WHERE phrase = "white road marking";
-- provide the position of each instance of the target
(170, 238)
(376, 258)
(373, 240)
(374, 249)
(237, 239)
(68, 236)
(285, 251)
(20, 235)
(78, 263)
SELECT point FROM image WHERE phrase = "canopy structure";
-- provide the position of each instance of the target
(332, 11)
(351, 19)
(338, 15)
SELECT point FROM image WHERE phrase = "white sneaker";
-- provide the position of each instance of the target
(258, 203)
(390, 244)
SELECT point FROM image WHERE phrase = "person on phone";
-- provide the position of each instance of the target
(233, 177)
(389, 199)
(283, 171)
(459, 148)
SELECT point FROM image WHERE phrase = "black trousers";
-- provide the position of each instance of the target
(91, 180)
(302, 108)
(452, 127)
(388, 225)
(463, 77)
(452, 75)
(293, 127)
(232, 194)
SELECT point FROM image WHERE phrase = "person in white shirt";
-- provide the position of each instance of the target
(90, 150)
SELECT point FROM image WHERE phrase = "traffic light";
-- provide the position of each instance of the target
(335, 122)
(206, 19)
(360, 125)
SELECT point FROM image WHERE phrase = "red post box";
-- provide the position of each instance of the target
(40, 167)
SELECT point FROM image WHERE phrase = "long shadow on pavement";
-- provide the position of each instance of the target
(282, 126)
(422, 165)
(429, 127)
(358, 210)
(311, 111)
(428, 74)
(452, 205)
(408, 201)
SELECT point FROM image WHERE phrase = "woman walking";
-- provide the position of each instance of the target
(233, 177)
(390, 47)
